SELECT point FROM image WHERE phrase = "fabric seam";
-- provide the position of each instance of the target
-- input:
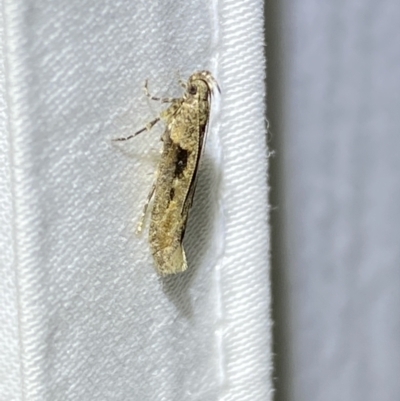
(11, 158)
(219, 308)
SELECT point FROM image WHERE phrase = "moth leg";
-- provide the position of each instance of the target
(148, 127)
(161, 99)
(144, 212)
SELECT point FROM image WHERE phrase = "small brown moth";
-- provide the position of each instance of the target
(186, 122)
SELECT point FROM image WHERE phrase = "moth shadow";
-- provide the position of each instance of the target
(198, 237)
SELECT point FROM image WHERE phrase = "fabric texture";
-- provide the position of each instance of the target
(10, 378)
(336, 103)
(86, 316)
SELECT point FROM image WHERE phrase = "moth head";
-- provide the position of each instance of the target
(201, 83)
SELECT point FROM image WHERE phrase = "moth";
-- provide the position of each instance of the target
(186, 123)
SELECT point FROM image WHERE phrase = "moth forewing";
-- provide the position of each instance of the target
(186, 122)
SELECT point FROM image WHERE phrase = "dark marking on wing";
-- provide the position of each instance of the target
(190, 194)
(181, 161)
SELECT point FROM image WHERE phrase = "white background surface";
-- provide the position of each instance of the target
(334, 108)
(85, 316)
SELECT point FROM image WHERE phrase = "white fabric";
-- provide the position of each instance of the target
(334, 112)
(94, 322)
(10, 379)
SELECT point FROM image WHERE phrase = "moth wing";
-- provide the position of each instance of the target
(171, 263)
(179, 259)
(190, 194)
